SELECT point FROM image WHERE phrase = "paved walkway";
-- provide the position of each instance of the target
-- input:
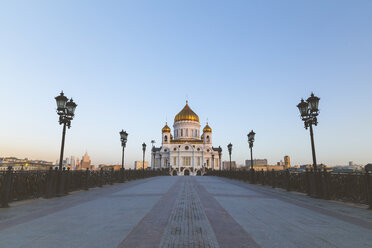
(184, 212)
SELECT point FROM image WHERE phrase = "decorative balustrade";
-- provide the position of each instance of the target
(20, 185)
(351, 187)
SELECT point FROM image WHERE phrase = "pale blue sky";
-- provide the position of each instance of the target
(243, 64)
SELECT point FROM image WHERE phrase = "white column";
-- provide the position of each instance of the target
(202, 157)
(179, 160)
(193, 160)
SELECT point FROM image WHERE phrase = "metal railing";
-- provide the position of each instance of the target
(351, 187)
(21, 185)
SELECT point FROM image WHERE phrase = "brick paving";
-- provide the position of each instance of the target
(184, 212)
(188, 224)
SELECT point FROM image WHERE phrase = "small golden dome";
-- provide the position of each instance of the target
(166, 129)
(207, 129)
(186, 114)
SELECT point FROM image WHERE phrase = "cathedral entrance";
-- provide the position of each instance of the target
(174, 173)
(186, 172)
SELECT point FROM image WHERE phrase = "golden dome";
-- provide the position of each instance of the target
(207, 129)
(186, 114)
(166, 129)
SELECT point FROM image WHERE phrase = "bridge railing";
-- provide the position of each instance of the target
(21, 185)
(351, 187)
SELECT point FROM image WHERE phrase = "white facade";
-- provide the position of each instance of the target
(188, 151)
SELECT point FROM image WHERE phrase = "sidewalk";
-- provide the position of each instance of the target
(184, 212)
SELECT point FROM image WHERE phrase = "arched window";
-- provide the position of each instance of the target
(166, 138)
(181, 132)
(208, 138)
(187, 132)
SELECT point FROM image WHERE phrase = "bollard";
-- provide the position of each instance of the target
(100, 177)
(122, 175)
(368, 189)
(325, 184)
(313, 183)
(55, 182)
(86, 184)
(288, 179)
(49, 183)
(67, 181)
(307, 182)
(61, 186)
(273, 179)
(112, 176)
(6, 189)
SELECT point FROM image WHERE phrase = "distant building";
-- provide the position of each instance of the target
(138, 165)
(73, 162)
(256, 162)
(226, 165)
(281, 163)
(287, 162)
(351, 163)
(109, 167)
(85, 163)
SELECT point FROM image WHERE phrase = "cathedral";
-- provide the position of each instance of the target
(187, 151)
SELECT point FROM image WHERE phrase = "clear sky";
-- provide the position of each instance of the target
(131, 64)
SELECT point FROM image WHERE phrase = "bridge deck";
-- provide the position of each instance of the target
(184, 212)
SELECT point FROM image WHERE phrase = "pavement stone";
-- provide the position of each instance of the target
(184, 212)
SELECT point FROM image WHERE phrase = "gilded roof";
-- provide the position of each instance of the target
(186, 114)
(166, 129)
(207, 129)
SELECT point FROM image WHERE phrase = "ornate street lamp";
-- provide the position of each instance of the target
(123, 138)
(219, 156)
(229, 147)
(143, 161)
(250, 141)
(309, 111)
(66, 112)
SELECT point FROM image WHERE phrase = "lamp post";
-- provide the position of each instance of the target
(309, 111)
(250, 141)
(219, 156)
(212, 161)
(123, 138)
(153, 151)
(229, 147)
(143, 161)
(66, 112)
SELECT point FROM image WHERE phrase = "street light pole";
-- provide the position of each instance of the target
(250, 141)
(153, 151)
(123, 138)
(66, 112)
(143, 161)
(309, 111)
(62, 146)
(219, 156)
(313, 148)
(212, 161)
(229, 147)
